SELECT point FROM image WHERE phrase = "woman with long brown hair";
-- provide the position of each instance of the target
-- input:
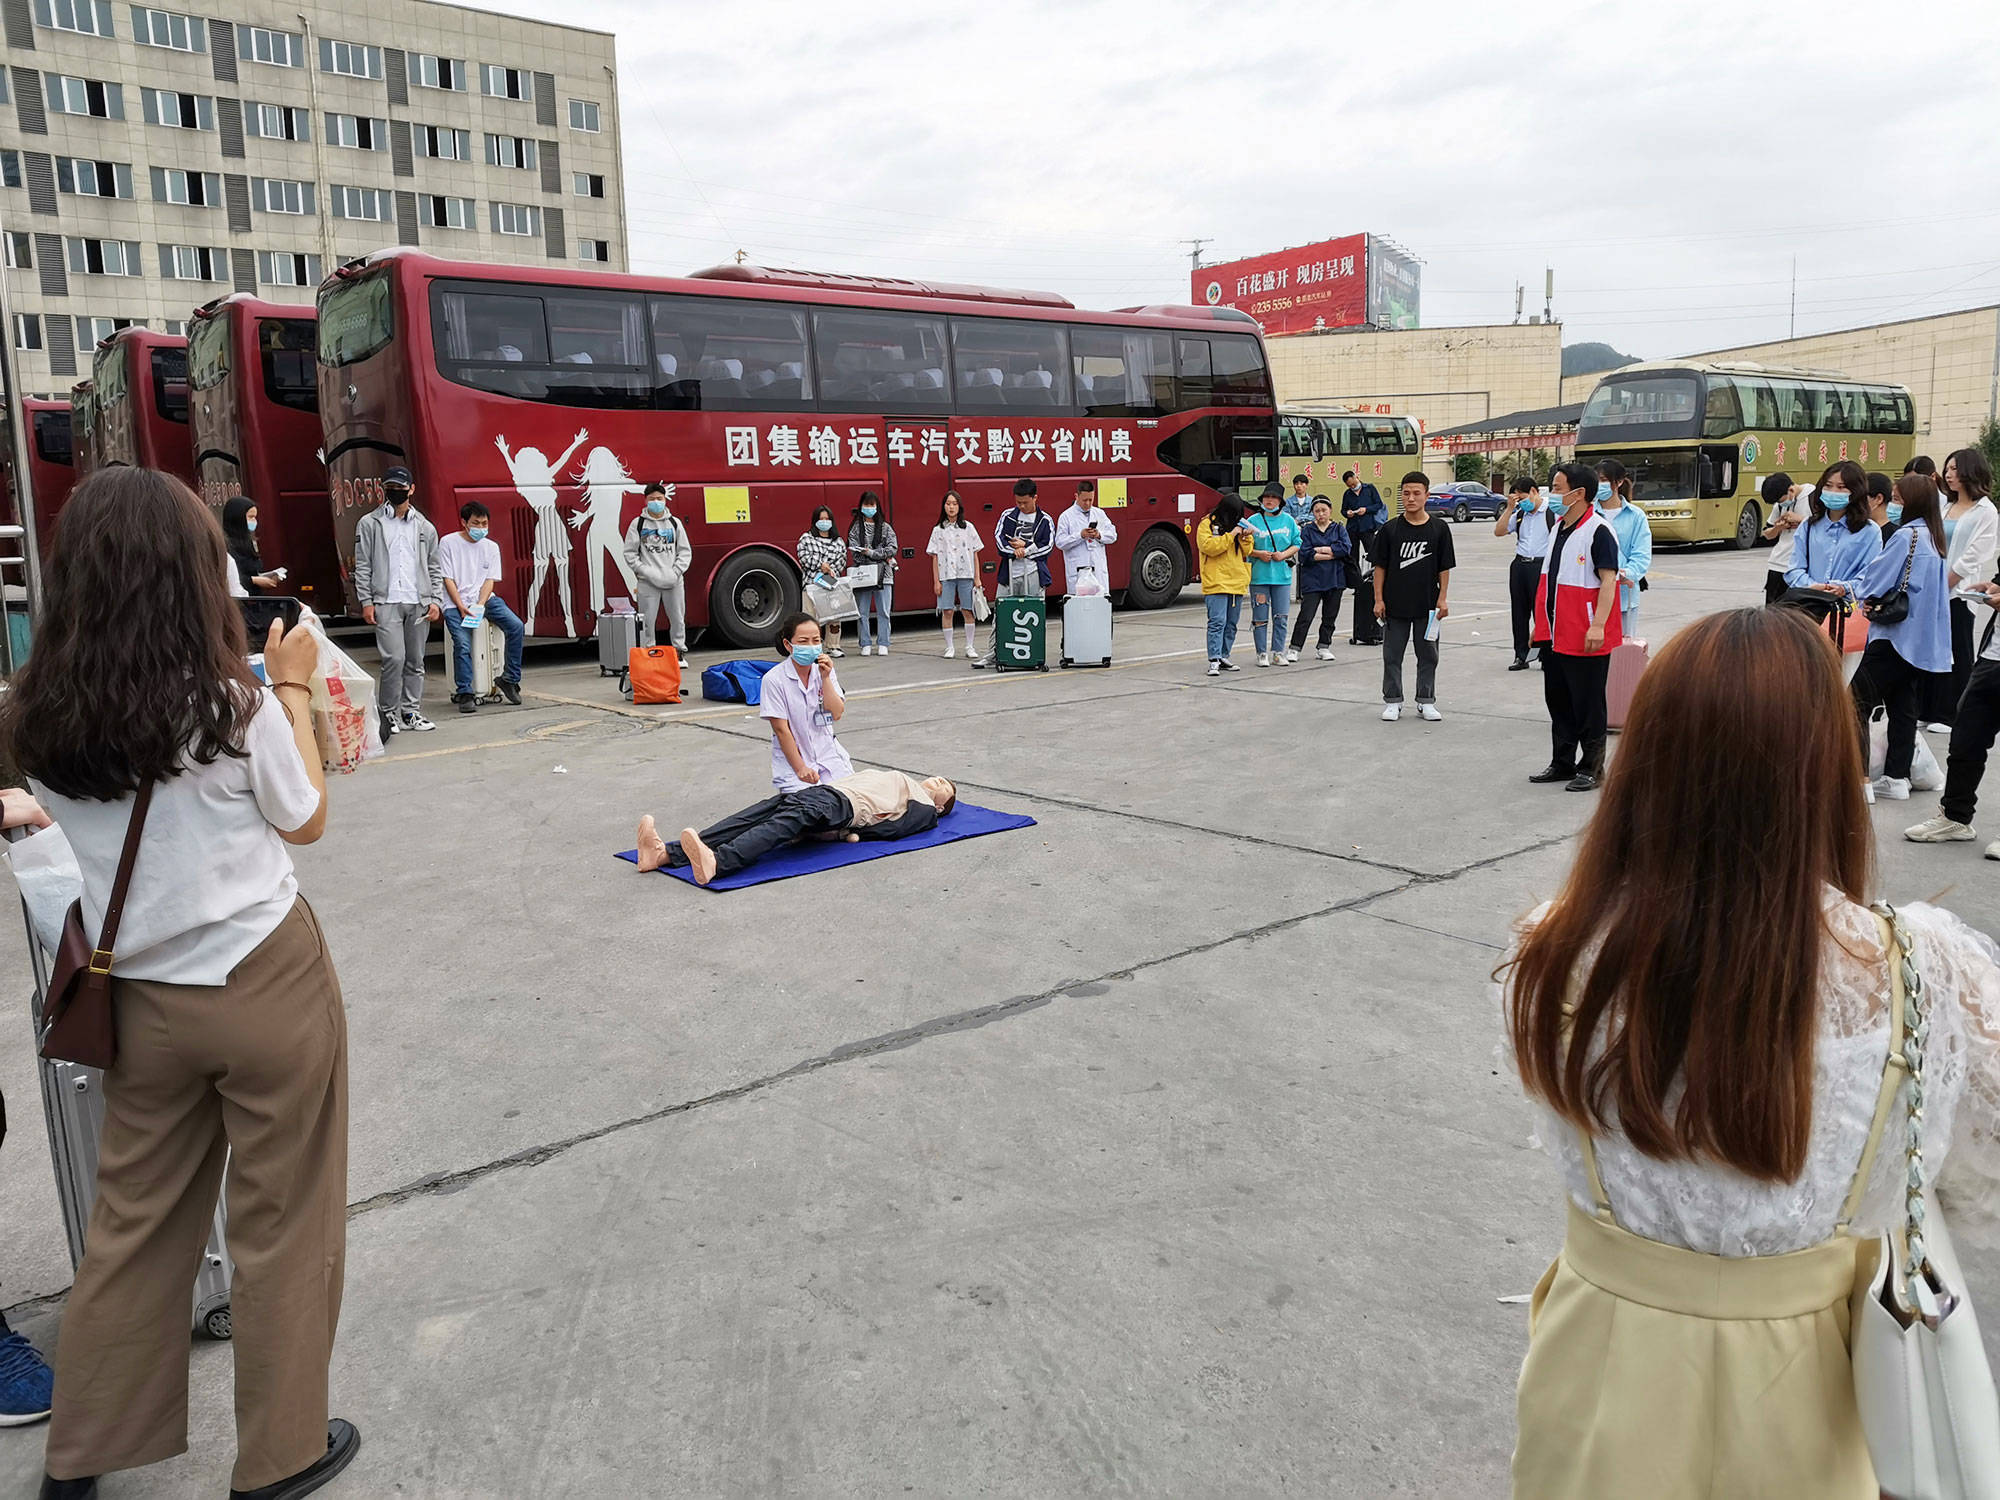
(232, 1040)
(1702, 1018)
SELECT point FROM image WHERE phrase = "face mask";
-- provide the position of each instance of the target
(1603, 489)
(1270, 507)
(249, 525)
(477, 533)
(656, 508)
(1895, 510)
(822, 525)
(868, 511)
(805, 656)
(1556, 506)
(1524, 505)
(1833, 500)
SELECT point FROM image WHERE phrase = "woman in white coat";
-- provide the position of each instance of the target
(1971, 550)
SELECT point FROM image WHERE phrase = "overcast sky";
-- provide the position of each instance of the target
(1668, 160)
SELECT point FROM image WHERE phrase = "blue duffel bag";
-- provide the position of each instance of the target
(735, 681)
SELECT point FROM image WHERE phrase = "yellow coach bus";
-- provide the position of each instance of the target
(1699, 438)
(1323, 445)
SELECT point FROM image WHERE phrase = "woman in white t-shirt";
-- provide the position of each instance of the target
(954, 550)
(1790, 509)
(232, 1039)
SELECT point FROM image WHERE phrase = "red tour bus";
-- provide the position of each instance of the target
(51, 466)
(556, 396)
(254, 420)
(140, 402)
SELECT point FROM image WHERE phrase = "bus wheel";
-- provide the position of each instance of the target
(1159, 572)
(753, 591)
(1748, 524)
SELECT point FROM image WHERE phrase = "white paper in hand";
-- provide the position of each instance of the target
(45, 868)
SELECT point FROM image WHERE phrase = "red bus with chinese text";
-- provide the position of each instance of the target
(139, 403)
(51, 465)
(254, 421)
(555, 396)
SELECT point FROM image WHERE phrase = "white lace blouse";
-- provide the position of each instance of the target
(1703, 1206)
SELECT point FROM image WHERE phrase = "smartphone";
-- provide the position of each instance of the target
(260, 612)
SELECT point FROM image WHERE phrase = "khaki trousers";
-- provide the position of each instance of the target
(256, 1069)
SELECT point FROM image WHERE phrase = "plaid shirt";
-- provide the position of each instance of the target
(821, 554)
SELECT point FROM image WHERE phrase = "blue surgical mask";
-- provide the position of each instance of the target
(1833, 500)
(1556, 506)
(805, 656)
(1524, 505)
(869, 511)
(477, 533)
(1895, 510)
(656, 508)
(1603, 489)
(249, 525)
(822, 525)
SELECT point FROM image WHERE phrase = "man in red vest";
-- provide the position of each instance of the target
(1577, 627)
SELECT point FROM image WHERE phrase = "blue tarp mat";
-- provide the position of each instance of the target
(963, 822)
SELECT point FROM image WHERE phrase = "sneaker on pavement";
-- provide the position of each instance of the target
(867, 650)
(1428, 712)
(1993, 850)
(1291, 656)
(951, 653)
(881, 650)
(838, 654)
(466, 705)
(511, 690)
(417, 721)
(1215, 669)
(1391, 712)
(1263, 658)
(1230, 666)
(27, 1384)
(1518, 664)
(1325, 653)
(1940, 830)
(1892, 788)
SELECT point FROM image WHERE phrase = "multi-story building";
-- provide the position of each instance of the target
(152, 159)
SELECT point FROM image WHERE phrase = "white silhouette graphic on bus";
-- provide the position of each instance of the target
(535, 478)
(606, 484)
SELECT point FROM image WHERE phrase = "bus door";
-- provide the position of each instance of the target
(916, 488)
(1256, 463)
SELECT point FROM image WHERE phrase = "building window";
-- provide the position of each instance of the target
(281, 49)
(361, 203)
(178, 111)
(166, 28)
(589, 184)
(176, 328)
(284, 268)
(598, 250)
(280, 195)
(510, 151)
(93, 179)
(102, 257)
(516, 218)
(583, 116)
(447, 213)
(351, 58)
(90, 332)
(194, 263)
(443, 142)
(10, 169)
(20, 250)
(91, 17)
(357, 132)
(4, 86)
(27, 330)
(85, 96)
(193, 189)
(505, 83)
(438, 72)
(276, 122)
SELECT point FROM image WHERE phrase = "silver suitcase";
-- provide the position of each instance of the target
(73, 1105)
(617, 639)
(1086, 638)
(488, 658)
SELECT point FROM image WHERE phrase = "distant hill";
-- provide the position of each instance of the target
(1588, 359)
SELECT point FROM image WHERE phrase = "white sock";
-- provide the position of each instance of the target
(969, 646)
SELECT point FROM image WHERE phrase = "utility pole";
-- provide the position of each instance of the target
(1519, 293)
(1195, 252)
(741, 256)
(1548, 294)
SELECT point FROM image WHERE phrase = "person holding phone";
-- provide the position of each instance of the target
(1788, 514)
(803, 701)
(1274, 552)
(1531, 522)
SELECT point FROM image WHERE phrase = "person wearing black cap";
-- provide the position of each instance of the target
(399, 583)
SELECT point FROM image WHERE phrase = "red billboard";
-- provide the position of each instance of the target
(1291, 291)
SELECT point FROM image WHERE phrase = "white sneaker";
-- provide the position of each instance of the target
(1291, 656)
(1993, 850)
(950, 652)
(1940, 830)
(1892, 788)
(1392, 712)
(1263, 658)
(881, 650)
(414, 720)
(1325, 654)
(1937, 729)
(1428, 712)
(1215, 669)
(867, 650)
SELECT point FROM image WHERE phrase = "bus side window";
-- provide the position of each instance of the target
(1194, 373)
(1241, 378)
(1122, 372)
(881, 361)
(717, 353)
(1721, 415)
(1007, 366)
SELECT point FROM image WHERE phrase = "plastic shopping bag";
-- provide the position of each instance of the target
(982, 607)
(343, 705)
(832, 603)
(1087, 584)
(46, 870)
(1926, 775)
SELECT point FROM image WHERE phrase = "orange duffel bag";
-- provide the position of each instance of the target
(653, 674)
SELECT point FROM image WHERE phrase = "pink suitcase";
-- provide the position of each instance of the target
(1627, 662)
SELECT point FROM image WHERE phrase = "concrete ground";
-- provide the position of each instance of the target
(1158, 1149)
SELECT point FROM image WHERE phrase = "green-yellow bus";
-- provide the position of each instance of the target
(1323, 445)
(1698, 439)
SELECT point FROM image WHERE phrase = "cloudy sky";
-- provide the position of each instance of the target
(1669, 161)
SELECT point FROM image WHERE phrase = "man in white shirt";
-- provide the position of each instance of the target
(1083, 533)
(397, 580)
(469, 561)
(1972, 736)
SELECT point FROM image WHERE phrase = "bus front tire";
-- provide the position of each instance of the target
(752, 593)
(1749, 522)
(1159, 572)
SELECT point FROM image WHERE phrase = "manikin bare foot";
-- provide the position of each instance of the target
(701, 858)
(652, 848)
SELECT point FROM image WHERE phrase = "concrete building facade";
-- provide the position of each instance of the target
(1950, 362)
(1441, 377)
(154, 159)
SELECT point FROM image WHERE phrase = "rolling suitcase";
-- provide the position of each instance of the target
(1086, 640)
(1020, 634)
(1627, 663)
(617, 639)
(488, 658)
(73, 1106)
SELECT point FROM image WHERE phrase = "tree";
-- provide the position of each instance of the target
(1534, 463)
(1988, 442)
(1469, 466)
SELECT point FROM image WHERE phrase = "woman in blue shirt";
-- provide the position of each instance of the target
(1838, 544)
(1635, 539)
(1900, 653)
(1274, 548)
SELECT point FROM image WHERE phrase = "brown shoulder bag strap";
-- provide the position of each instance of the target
(114, 907)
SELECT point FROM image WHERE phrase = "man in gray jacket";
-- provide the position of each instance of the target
(658, 551)
(397, 579)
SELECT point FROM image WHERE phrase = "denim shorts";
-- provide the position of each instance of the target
(957, 594)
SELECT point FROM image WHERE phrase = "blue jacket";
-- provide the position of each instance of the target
(1272, 534)
(1040, 537)
(1825, 551)
(1923, 637)
(1317, 577)
(1635, 549)
(1372, 515)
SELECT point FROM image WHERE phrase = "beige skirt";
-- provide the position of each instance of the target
(1656, 1373)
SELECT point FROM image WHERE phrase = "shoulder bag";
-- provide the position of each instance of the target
(1921, 1380)
(1893, 607)
(77, 1025)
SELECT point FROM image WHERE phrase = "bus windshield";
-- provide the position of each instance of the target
(1653, 406)
(1657, 474)
(291, 376)
(208, 352)
(355, 319)
(170, 384)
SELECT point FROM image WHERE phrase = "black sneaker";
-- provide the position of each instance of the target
(511, 690)
(68, 1489)
(1553, 772)
(342, 1443)
(1230, 666)
(1583, 781)
(466, 703)
(1518, 664)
